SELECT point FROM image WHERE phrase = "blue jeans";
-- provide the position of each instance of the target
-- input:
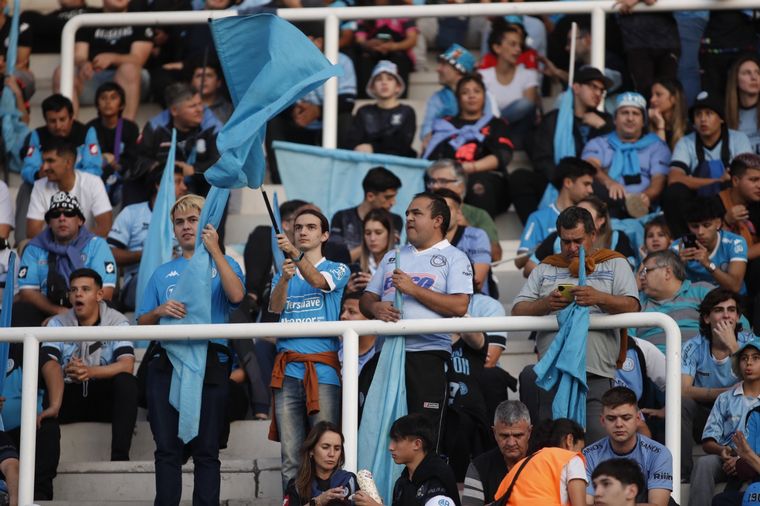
(164, 420)
(293, 423)
(690, 29)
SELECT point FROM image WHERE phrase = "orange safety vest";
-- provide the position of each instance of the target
(540, 479)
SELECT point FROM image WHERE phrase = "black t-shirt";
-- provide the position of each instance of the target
(113, 39)
(495, 142)
(465, 370)
(389, 131)
(649, 30)
(24, 34)
(730, 30)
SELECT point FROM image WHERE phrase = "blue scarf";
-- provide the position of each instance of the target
(68, 257)
(458, 137)
(625, 161)
(564, 141)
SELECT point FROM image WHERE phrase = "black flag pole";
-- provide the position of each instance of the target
(269, 209)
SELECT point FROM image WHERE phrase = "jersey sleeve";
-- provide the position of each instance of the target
(594, 149)
(660, 472)
(660, 160)
(473, 494)
(623, 281)
(530, 237)
(150, 297)
(714, 425)
(37, 205)
(54, 350)
(459, 279)
(119, 234)
(103, 262)
(741, 143)
(481, 252)
(375, 284)
(336, 276)
(738, 250)
(681, 154)
(29, 272)
(689, 357)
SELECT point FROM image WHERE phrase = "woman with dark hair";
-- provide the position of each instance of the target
(743, 98)
(379, 237)
(667, 111)
(479, 142)
(321, 481)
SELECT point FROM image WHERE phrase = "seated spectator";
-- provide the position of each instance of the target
(46, 27)
(699, 166)
(129, 232)
(425, 475)
(23, 76)
(479, 142)
(450, 174)
(321, 479)
(116, 53)
(117, 137)
(706, 365)
(620, 416)
(667, 111)
(743, 98)
(380, 188)
(727, 416)
(385, 39)
(196, 146)
(100, 386)
(64, 246)
(511, 429)
(712, 254)
(553, 474)
(574, 180)
(610, 289)
(514, 87)
(657, 237)
(59, 175)
(387, 126)
(617, 482)
(632, 165)
(526, 186)
(472, 241)
(59, 124)
(380, 236)
(369, 345)
(209, 81)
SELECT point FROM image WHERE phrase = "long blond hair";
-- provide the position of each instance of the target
(732, 92)
(678, 123)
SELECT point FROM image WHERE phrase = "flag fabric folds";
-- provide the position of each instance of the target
(564, 141)
(268, 64)
(14, 131)
(5, 316)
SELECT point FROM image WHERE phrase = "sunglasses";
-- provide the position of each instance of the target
(57, 214)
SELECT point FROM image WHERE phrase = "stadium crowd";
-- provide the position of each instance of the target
(649, 169)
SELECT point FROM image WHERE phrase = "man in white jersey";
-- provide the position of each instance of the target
(435, 279)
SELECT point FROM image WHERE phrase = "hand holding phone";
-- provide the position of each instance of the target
(566, 290)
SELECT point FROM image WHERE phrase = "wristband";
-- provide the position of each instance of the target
(300, 257)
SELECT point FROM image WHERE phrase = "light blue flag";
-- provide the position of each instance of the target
(332, 178)
(193, 289)
(14, 131)
(278, 257)
(7, 312)
(564, 141)
(268, 64)
(11, 54)
(385, 403)
(32, 158)
(157, 249)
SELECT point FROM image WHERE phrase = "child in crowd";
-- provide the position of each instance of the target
(387, 126)
(657, 237)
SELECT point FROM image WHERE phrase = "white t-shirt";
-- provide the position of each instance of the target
(88, 188)
(505, 94)
(573, 470)
(6, 205)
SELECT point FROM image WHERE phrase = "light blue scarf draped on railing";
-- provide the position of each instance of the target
(564, 141)
(14, 131)
(625, 161)
(6, 317)
(457, 137)
(564, 363)
(278, 257)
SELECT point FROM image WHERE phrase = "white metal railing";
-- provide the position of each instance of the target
(349, 330)
(331, 17)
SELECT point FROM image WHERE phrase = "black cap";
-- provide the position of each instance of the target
(587, 73)
(63, 201)
(710, 101)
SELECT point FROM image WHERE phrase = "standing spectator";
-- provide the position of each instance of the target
(435, 280)
(380, 236)
(209, 81)
(512, 430)
(610, 289)
(226, 292)
(47, 27)
(64, 246)
(743, 99)
(387, 126)
(617, 482)
(728, 35)
(59, 175)
(105, 54)
(700, 161)
(667, 111)
(479, 142)
(100, 386)
(632, 165)
(620, 419)
(308, 289)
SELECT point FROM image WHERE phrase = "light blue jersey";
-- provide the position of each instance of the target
(654, 160)
(728, 414)
(474, 243)
(129, 231)
(108, 351)
(708, 372)
(484, 306)
(308, 304)
(441, 268)
(685, 152)
(729, 248)
(540, 224)
(96, 255)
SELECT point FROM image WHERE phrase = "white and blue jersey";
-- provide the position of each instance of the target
(441, 268)
(164, 279)
(729, 248)
(108, 351)
(474, 243)
(654, 459)
(728, 415)
(540, 225)
(96, 255)
(129, 231)
(308, 304)
(708, 372)
(685, 152)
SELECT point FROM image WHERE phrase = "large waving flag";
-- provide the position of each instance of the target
(14, 130)
(157, 249)
(268, 64)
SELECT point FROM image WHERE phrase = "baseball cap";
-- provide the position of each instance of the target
(587, 73)
(459, 58)
(755, 343)
(388, 67)
(710, 101)
(63, 201)
(631, 99)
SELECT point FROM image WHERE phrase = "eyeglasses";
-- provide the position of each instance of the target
(57, 214)
(646, 270)
(441, 181)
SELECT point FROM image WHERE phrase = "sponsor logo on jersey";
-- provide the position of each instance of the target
(423, 280)
(301, 303)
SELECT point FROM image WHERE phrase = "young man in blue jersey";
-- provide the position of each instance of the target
(309, 288)
(574, 179)
(435, 279)
(620, 416)
(226, 293)
(706, 365)
(712, 254)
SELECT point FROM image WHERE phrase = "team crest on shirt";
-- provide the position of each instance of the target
(9, 365)
(396, 119)
(22, 272)
(213, 272)
(628, 365)
(93, 149)
(30, 151)
(110, 267)
(438, 260)
(169, 291)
